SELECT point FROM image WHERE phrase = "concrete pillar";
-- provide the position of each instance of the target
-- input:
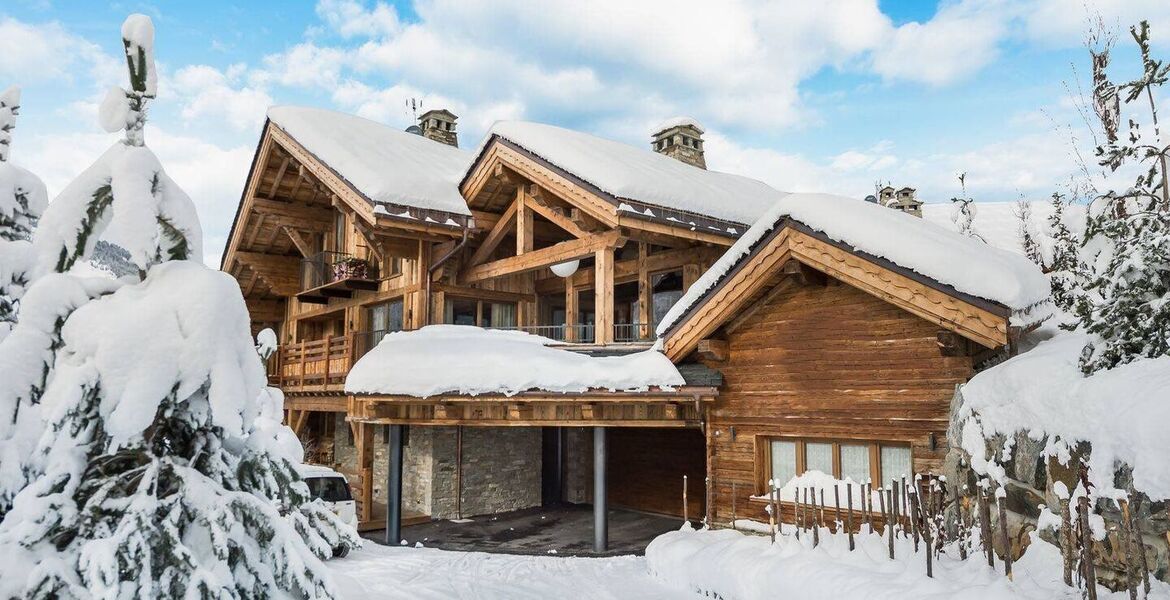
(600, 508)
(394, 488)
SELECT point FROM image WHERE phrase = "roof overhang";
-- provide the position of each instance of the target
(977, 319)
(611, 210)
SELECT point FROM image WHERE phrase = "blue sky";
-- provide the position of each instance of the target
(811, 96)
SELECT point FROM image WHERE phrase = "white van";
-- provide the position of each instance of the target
(333, 489)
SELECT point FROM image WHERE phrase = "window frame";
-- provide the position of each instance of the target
(764, 455)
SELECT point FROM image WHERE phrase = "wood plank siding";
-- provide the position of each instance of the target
(827, 362)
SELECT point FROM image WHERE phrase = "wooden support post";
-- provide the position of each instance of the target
(686, 513)
(849, 514)
(1127, 549)
(570, 311)
(1088, 570)
(524, 223)
(603, 296)
(891, 520)
(364, 442)
(645, 294)
(691, 274)
(734, 493)
(985, 525)
(816, 525)
(1001, 501)
(836, 509)
(775, 512)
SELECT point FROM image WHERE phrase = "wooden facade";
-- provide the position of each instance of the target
(817, 343)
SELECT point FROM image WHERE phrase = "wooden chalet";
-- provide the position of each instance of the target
(806, 348)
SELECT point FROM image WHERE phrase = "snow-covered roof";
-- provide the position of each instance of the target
(383, 163)
(641, 175)
(967, 265)
(678, 122)
(459, 359)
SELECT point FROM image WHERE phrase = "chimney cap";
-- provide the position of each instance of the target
(438, 111)
(673, 122)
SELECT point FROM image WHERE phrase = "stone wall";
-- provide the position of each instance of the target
(1029, 484)
(501, 469)
(579, 465)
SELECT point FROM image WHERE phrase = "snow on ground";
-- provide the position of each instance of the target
(968, 265)
(639, 174)
(1121, 411)
(469, 360)
(384, 163)
(747, 567)
(378, 572)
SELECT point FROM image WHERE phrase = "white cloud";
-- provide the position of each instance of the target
(304, 65)
(208, 93)
(48, 53)
(960, 40)
(1060, 23)
(350, 18)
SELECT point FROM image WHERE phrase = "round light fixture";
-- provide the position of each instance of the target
(566, 269)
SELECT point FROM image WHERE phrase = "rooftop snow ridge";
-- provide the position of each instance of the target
(640, 175)
(967, 265)
(383, 163)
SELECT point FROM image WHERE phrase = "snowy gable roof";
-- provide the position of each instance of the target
(459, 359)
(966, 265)
(383, 163)
(641, 175)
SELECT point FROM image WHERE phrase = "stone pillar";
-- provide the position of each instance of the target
(600, 508)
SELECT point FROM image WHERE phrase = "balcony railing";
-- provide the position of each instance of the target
(335, 275)
(586, 334)
(321, 365)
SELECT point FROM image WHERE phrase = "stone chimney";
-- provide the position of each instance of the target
(439, 125)
(905, 200)
(680, 138)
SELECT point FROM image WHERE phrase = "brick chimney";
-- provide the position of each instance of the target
(680, 138)
(439, 125)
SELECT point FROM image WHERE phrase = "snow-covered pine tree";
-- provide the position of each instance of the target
(1126, 298)
(1026, 229)
(22, 200)
(156, 475)
(963, 211)
(1064, 267)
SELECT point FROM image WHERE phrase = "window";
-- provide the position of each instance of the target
(482, 313)
(858, 461)
(384, 318)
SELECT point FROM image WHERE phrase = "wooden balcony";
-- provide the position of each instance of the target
(328, 275)
(315, 366)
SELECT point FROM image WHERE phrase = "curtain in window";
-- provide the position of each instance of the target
(855, 462)
(783, 462)
(895, 463)
(818, 456)
(503, 315)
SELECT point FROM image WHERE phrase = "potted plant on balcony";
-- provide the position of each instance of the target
(350, 267)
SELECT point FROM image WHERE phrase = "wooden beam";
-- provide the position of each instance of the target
(295, 212)
(603, 295)
(524, 222)
(538, 259)
(301, 243)
(645, 292)
(712, 349)
(495, 236)
(570, 309)
(681, 232)
(539, 204)
(279, 176)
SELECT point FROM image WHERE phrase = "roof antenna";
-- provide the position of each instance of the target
(414, 104)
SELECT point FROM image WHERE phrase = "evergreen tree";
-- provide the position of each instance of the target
(1125, 301)
(963, 211)
(156, 474)
(22, 200)
(1064, 268)
(1028, 241)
